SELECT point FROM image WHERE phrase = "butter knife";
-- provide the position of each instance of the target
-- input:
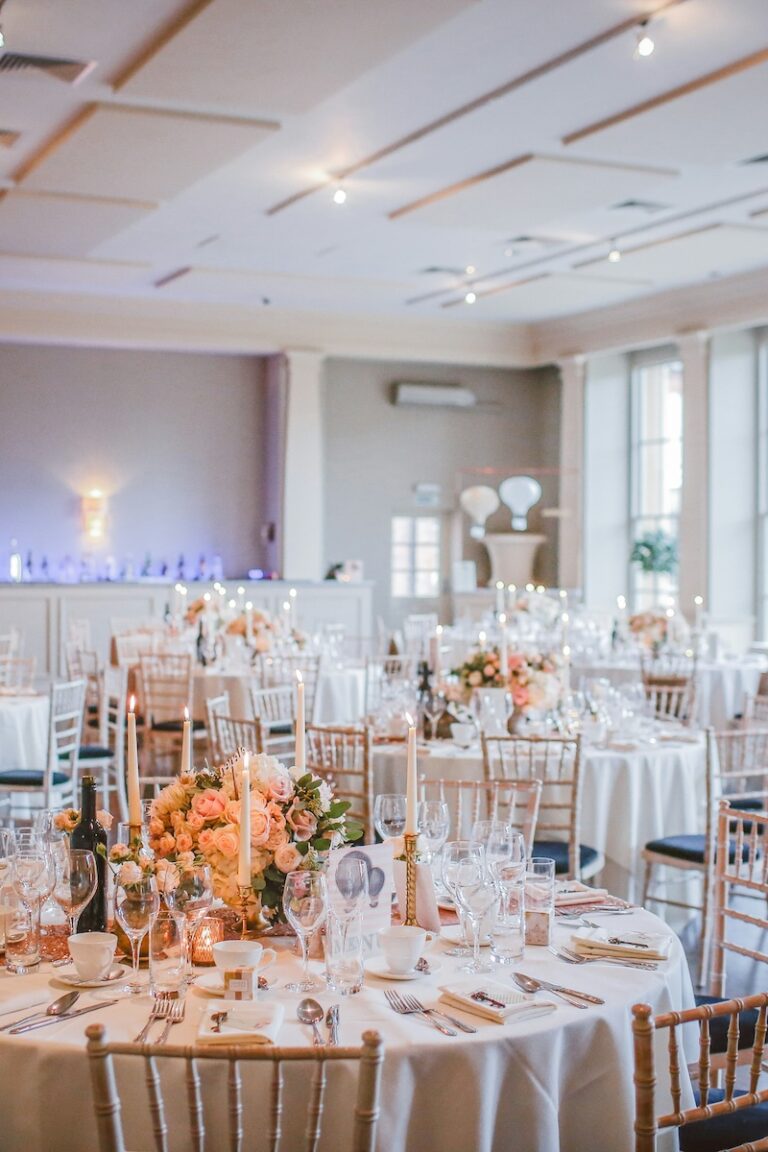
(57, 1019)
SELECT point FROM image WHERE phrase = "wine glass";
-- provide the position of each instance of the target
(136, 907)
(502, 845)
(75, 881)
(454, 854)
(192, 896)
(433, 709)
(476, 892)
(305, 903)
(389, 814)
(434, 823)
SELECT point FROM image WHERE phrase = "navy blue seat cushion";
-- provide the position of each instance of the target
(94, 752)
(690, 848)
(718, 1027)
(29, 778)
(726, 1131)
(281, 729)
(557, 850)
(175, 726)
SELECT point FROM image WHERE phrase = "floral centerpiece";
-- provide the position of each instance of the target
(294, 821)
(649, 628)
(69, 818)
(532, 678)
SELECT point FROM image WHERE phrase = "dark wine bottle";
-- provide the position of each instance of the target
(90, 834)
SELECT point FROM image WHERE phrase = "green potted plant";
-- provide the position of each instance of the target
(655, 552)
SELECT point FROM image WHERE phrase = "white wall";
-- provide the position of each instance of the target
(606, 481)
(375, 453)
(175, 441)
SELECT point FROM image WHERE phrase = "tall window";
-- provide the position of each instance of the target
(657, 470)
(416, 556)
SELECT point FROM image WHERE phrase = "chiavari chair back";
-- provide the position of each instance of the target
(276, 669)
(107, 756)
(232, 735)
(417, 628)
(516, 802)
(343, 757)
(670, 687)
(741, 869)
(756, 710)
(55, 784)
(130, 648)
(718, 1117)
(556, 762)
(275, 1112)
(216, 706)
(17, 673)
(166, 690)
(84, 664)
(275, 709)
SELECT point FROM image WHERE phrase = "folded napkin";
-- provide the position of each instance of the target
(622, 942)
(574, 892)
(247, 1022)
(517, 1006)
(16, 999)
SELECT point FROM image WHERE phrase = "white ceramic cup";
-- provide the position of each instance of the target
(462, 734)
(92, 953)
(402, 946)
(229, 954)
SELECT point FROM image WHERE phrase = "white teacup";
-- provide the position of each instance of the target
(402, 946)
(92, 953)
(229, 954)
(463, 734)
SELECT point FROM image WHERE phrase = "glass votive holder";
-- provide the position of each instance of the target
(507, 933)
(22, 938)
(210, 931)
(539, 901)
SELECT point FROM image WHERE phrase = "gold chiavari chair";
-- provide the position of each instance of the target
(670, 687)
(216, 706)
(741, 869)
(232, 735)
(166, 690)
(343, 757)
(756, 710)
(516, 802)
(736, 766)
(317, 1063)
(17, 673)
(556, 762)
(84, 664)
(275, 709)
(274, 670)
(719, 1118)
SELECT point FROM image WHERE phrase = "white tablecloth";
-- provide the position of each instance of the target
(23, 731)
(722, 686)
(340, 694)
(628, 797)
(560, 1083)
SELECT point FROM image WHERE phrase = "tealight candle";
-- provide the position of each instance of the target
(210, 932)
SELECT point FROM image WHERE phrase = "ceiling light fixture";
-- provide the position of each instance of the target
(2, 39)
(470, 269)
(339, 196)
(614, 255)
(470, 298)
(645, 43)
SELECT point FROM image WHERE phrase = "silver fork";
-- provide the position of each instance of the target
(397, 1003)
(175, 1016)
(570, 957)
(160, 1010)
(417, 1006)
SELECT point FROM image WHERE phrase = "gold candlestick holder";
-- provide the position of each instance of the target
(410, 879)
(245, 891)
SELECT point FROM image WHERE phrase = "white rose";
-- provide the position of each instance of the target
(129, 873)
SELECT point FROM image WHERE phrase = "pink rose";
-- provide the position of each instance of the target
(205, 840)
(209, 804)
(195, 822)
(259, 827)
(227, 840)
(303, 823)
(156, 827)
(165, 845)
(184, 842)
(105, 819)
(287, 858)
(280, 788)
(232, 812)
(519, 696)
(489, 671)
(277, 835)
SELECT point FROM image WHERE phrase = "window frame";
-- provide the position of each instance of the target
(413, 569)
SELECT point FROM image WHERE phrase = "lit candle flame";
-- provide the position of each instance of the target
(410, 721)
(299, 677)
(132, 704)
(186, 712)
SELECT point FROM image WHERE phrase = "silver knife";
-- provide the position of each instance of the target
(57, 1019)
(571, 992)
(332, 1021)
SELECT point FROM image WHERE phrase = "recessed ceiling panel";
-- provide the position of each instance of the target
(315, 293)
(553, 296)
(40, 225)
(74, 275)
(141, 153)
(719, 124)
(535, 193)
(280, 56)
(694, 255)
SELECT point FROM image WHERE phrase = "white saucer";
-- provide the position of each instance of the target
(211, 982)
(377, 966)
(80, 982)
(452, 934)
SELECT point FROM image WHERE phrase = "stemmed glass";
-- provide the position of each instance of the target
(33, 880)
(75, 883)
(389, 814)
(476, 892)
(454, 855)
(192, 896)
(502, 845)
(305, 903)
(136, 907)
(433, 710)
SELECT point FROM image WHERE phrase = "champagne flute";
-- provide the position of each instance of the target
(136, 907)
(305, 903)
(433, 710)
(193, 896)
(434, 823)
(75, 881)
(389, 814)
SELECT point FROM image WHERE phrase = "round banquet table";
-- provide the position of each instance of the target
(557, 1083)
(340, 693)
(23, 731)
(631, 793)
(722, 685)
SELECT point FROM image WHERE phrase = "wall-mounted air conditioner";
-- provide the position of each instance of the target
(433, 395)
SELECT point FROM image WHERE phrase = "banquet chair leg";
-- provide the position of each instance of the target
(646, 881)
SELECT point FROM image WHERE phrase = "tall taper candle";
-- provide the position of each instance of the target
(244, 855)
(504, 649)
(410, 780)
(499, 596)
(186, 743)
(132, 776)
(301, 753)
(698, 603)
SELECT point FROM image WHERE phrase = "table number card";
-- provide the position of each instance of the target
(378, 910)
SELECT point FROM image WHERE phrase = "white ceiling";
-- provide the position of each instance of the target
(200, 119)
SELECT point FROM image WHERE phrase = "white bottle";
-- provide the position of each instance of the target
(14, 564)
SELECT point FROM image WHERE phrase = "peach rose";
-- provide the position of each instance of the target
(209, 804)
(303, 823)
(165, 845)
(280, 788)
(232, 812)
(156, 827)
(227, 840)
(105, 819)
(205, 840)
(195, 822)
(259, 826)
(184, 842)
(475, 678)
(288, 858)
(519, 696)
(489, 671)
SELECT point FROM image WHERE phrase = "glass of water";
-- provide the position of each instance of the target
(389, 814)
(507, 935)
(167, 952)
(344, 954)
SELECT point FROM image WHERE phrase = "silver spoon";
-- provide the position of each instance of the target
(57, 1008)
(310, 1012)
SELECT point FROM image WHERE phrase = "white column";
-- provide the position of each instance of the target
(570, 559)
(303, 486)
(694, 507)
